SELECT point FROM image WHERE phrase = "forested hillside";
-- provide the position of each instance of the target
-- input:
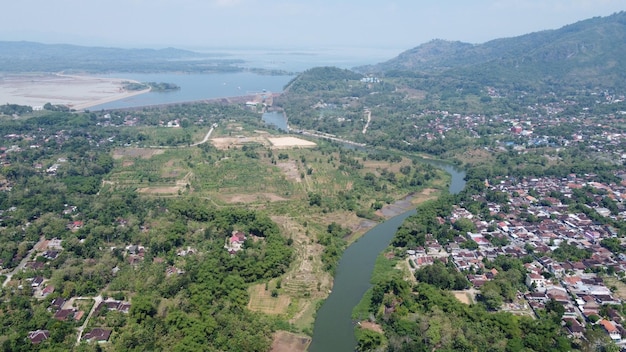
(586, 54)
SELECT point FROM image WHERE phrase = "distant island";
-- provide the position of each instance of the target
(154, 86)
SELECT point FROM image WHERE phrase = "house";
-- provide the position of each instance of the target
(98, 335)
(57, 304)
(37, 282)
(119, 306)
(50, 254)
(37, 336)
(46, 291)
(235, 242)
(574, 327)
(64, 314)
(537, 280)
(611, 329)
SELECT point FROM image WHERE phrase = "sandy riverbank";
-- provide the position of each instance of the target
(77, 92)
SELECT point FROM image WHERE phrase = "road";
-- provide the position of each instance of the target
(369, 118)
(206, 138)
(23, 262)
(97, 300)
(336, 139)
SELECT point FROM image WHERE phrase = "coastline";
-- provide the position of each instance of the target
(75, 91)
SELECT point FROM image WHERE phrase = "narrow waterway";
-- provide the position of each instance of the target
(334, 328)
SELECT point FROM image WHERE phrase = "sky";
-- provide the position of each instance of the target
(199, 24)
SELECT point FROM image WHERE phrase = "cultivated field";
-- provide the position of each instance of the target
(261, 300)
(288, 342)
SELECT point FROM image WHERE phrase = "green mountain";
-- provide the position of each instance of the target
(588, 53)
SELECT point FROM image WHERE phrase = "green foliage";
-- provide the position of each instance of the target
(368, 340)
(612, 244)
(445, 277)
(441, 322)
(11, 109)
(414, 229)
(570, 252)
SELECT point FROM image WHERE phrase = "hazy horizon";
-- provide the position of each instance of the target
(283, 25)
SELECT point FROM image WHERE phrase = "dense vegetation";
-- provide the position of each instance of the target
(582, 53)
(87, 179)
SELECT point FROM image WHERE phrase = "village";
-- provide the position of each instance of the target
(580, 285)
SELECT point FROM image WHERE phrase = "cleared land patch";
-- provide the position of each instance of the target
(252, 198)
(288, 342)
(261, 300)
(290, 142)
(238, 141)
(368, 325)
(465, 296)
(291, 170)
(143, 153)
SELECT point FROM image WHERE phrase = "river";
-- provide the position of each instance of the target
(334, 328)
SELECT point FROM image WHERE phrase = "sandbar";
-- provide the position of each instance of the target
(76, 92)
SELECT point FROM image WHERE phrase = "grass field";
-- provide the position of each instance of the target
(261, 300)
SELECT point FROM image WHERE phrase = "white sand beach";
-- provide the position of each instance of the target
(76, 92)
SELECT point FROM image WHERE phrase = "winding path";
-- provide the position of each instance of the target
(23, 262)
(206, 138)
(369, 119)
(97, 300)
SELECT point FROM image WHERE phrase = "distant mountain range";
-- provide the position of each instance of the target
(30, 57)
(589, 53)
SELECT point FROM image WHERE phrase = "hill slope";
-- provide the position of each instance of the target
(586, 52)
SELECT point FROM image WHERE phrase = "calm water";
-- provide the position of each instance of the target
(220, 85)
(300, 59)
(197, 87)
(334, 329)
(276, 119)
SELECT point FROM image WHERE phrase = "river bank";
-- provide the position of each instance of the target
(334, 327)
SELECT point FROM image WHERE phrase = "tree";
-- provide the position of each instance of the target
(368, 340)
(315, 199)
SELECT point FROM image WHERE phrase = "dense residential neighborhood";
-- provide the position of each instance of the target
(538, 222)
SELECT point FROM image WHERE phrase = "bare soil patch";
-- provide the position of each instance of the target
(288, 342)
(143, 153)
(424, 195)
(128, 163)
(252, 198)
(463, 296)
(368, 325)
(290, 142)
(290, 168)
(159, 190)
(262, 301)
(237, 141)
